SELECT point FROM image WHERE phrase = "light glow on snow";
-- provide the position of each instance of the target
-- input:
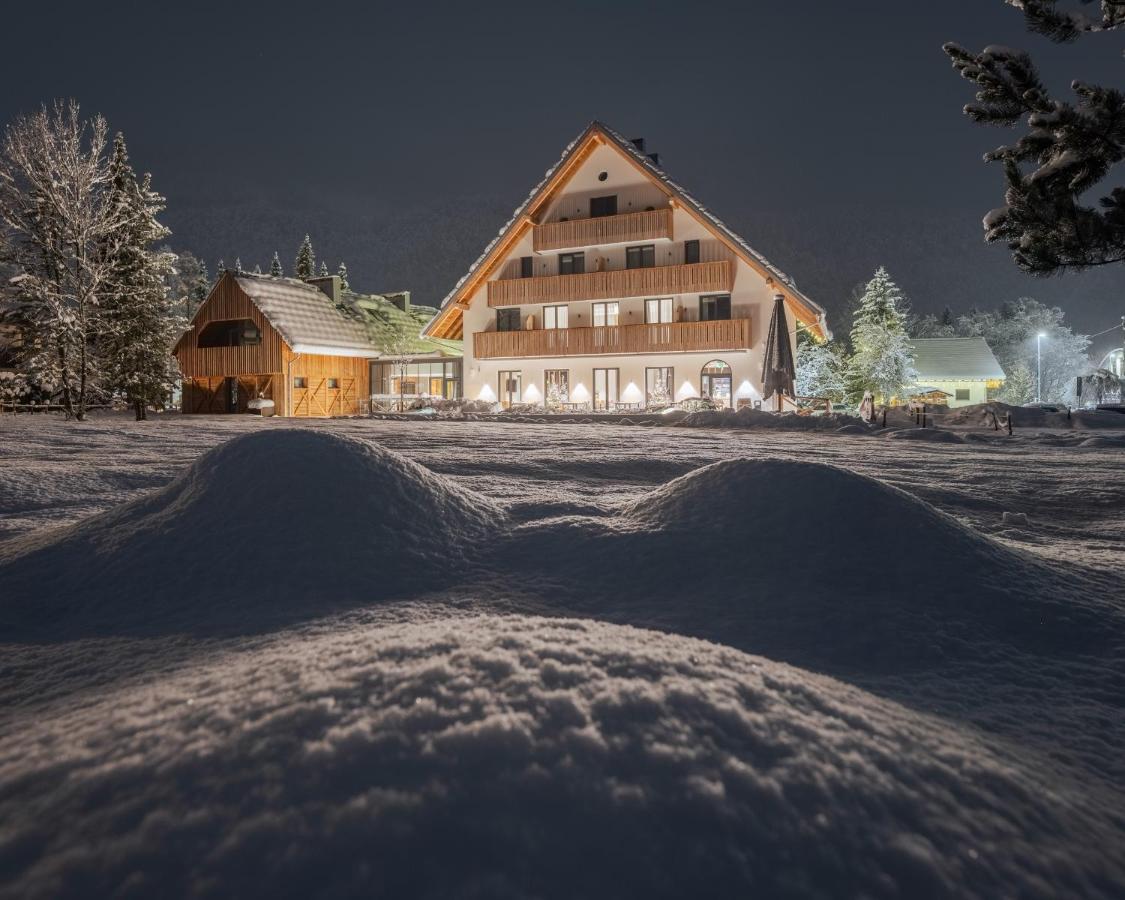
(632, 394)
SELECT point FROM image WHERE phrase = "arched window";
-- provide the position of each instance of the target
(229, 333)
(716, 382)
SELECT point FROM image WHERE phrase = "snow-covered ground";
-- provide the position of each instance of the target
(520, 659)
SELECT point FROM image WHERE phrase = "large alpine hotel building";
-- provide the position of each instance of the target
(612, 287)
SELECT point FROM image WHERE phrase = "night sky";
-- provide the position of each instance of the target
(828, 134)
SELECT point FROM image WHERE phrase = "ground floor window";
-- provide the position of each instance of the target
(961, 393)
(511, 387)
(605, 388)
(660, 384)
(715, 382)
(437, 378)
(556, 386)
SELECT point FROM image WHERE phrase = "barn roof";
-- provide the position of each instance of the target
(953, 358)
(360, 325)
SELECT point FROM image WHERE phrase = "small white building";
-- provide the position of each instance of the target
(964, 368)
(612, 288)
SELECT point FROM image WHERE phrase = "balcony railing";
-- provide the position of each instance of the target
(728, 334)
(660, 281)
(648, 225)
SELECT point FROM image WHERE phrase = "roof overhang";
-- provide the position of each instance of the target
(447, 322)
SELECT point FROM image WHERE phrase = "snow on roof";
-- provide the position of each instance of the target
(309, 322)
(955, 357)
(628, 147)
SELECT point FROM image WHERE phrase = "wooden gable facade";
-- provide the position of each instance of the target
(225, 379)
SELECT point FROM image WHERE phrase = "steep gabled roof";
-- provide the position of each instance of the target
(359, 325)
(950, 359)
(597, 133)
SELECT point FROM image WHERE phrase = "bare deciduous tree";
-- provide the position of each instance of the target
(56, 225)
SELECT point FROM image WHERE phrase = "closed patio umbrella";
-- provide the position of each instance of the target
(778, 370)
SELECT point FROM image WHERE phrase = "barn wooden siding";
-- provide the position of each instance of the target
(264, 369)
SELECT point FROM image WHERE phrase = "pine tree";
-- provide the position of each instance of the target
(238, 265)
(257, 269)
(323, 269)
(821, 369)
(275, 266)
(1068, 148)
(137, 322)
(305, 264)
(202, 284)
(882, 358)
(342, 272)
(220, 269)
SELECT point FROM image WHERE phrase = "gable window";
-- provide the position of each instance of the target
(572, 263)
(714, 307)
(603, 206)
(230, 333)
(643, 257)
(300, 381)
(606, 313)
(691, 251)
(333, 383)
(658, 311)
(556, 316)
(508, 319)
(527, 264)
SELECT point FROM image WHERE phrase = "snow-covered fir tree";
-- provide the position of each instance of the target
(275, 266)
(257, 269)
(661, 394)
(202, 285)
(323, 269)
(882, 358)
(1049, 220)
(305, 264)
(238, 265)
(821, 369)
(137, 322)
(220, 269)
(342, 272)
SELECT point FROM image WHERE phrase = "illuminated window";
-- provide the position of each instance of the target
(300, 381)
(556, 317)
(606, 313)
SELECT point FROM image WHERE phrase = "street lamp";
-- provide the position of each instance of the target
(1039, 367)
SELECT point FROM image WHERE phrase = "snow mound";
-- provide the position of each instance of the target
(809, 563)
(925, 435)
(520, 757)
(748, 417)
(853, 429)
(271, 518)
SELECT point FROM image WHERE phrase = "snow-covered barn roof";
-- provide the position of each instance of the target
(599, 130)
(359, 325)
(949, 359)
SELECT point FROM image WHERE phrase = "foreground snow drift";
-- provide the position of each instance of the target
(259, 521)
(515, 757)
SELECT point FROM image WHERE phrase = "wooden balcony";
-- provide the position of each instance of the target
(649, 225)
(678, 337)
(660, 281)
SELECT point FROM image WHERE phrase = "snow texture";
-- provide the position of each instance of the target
(301, 663)
(516, 757)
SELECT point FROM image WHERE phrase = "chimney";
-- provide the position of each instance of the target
(331, 285)
(639, 143)
(401, 299)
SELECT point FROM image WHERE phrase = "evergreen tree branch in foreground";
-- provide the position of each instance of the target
(1067, 149)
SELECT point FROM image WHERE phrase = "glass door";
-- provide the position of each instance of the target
(511, 387)
(716, 382)
(605, 388)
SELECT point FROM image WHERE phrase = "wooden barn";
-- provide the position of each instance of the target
(310, 347)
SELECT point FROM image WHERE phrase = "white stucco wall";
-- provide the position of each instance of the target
(751, 297)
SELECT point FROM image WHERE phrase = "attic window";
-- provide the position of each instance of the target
(229, 333)
(602, 176)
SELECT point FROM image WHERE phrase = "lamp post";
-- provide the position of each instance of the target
(1039, 367)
